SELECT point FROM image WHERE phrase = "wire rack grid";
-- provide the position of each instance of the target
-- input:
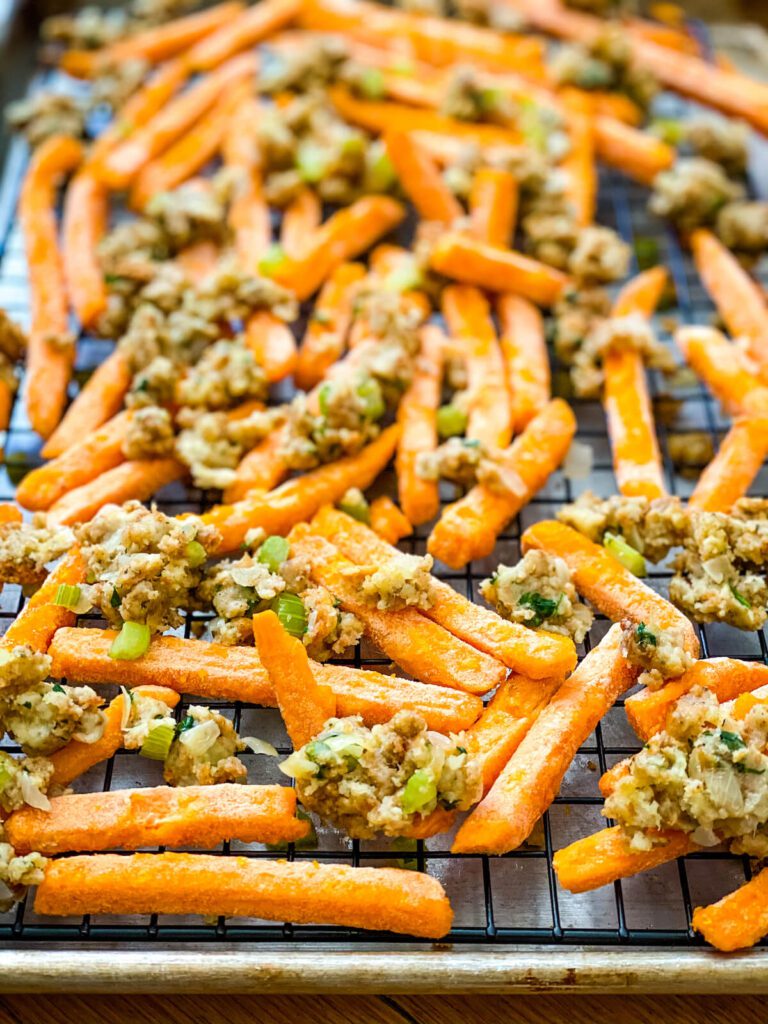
(506, 901)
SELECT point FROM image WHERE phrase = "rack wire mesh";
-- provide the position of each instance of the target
(505, 901)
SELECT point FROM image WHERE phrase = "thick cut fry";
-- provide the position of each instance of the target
(388, 521)
(120, 165)
(524, 348)
(136, 479)
(217, 672)
(93, 455)
(606, 857)
(493, 201)
(305, 704)
(385, 899)
(422, 648)
(85, 222)
(469, 261)
(99, 400)
(727, 677)
(272, 343)
(328, 325)
(534, 654)
(295, 500)
(417, 416)
(76, 758)
(531, 778)
(640, 155)
(242, 33)
(739, 919)
(345, 235)
(468, 315)
(723, 368)
(421, 180)
(468, 529)
(130, 819)
(739, 459)
(500, 729)
(260, 469)
(579, 162)
(606, 583)
(301, 219)
(737, 296)
(39, 619)
(51, 349)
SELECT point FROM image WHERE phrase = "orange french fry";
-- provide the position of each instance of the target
(739, 459)
(388, 521)
(242, 32)
(93, 455)
(640, 155)
(98, 401)
(737, 296)
(260, 469)
(84, 225)
(10, 513)
(130, 819)
(120, 165)
(605, 582)
(328, 325)
(136, 479)
(300, 219)
(468, 316)
(422, 648)
(534, 654)
(724, 369)
(529, 782)
(272, 343)
(417, 416)
(470, 261)
(51, 351)
(606, 857)
(386, 899)
(249, 217)
(524, 349)
(279, 510)
(627, 402)
(198, 259)
(468, 528)
(726, 677)
(76, 758)
(579, 162)
(218, 672)
(305, 704)
(345, 235)
(6, 402)
(38, 620)
(493, 202)
(421, 180)
(739, 919)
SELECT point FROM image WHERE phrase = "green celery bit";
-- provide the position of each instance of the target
(292, 614)
(359, 510)
(371, 84)
(131, 642)
(419, 792)
(158, 742)
(629, 557)
(196, 554)
(373, 400)
(311, 162)
(273, 552)
(67, 596)
(451, 421)
(273, 259)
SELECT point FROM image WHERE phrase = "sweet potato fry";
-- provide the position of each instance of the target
(526, 360)
(421, 180)
(272, 343)
(260, 469)
(301, 218)
(388, 521)
(723, 368)
(468, 529)
(85, 222)
(130, 819)
(469, 261)
(604, 581)
(93, 455)
(306, 892)
(531, 778)
(739, 919)
(295, 500)
(537, 655)
(606, 857)
(242, 33)
(468, 316)
(51, 351)
(738, 461)
(579, 161)
(493, 202)
(134, 479)
(39, 619)
(640, 155)
(417, 416)
(422, 648)
(326, 332)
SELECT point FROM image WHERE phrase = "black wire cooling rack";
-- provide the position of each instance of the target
(506, 901)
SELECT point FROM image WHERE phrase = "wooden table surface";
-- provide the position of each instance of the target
(533, 1009)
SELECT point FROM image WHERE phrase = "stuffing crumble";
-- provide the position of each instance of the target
(724, 141)
(606, 63)
(17, 873)
(539, 592)
(466, 98)
(576, 315)
(26, 549)
(204, 751)
(369, 781)
(742, 226)
(457, 459)
(305, 67)
(212, 444)
(692, 193)
(702, 775)
(45, 114)
(405, 580)
(143, 566)
(660, 653)
(150, 434)
(616, 333)
(651, 527)
(13, 340)
(25, 779)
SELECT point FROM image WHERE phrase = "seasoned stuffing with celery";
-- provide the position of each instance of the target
(26, 549)
(46, 114)
(692, 193)
(605, 64)
(17, 873)
(150, 434)
(204, 751)
(722, 140)
(539, 592)
(403, 581)
(24, 781)
(702, 775)
(743, 227)
(383, 779)
(660, 653)
(212, 444)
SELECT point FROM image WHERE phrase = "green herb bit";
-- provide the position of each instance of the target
(187, 722)
(115, 599)
(273, 552)
(451, 421)
(739, 597)
(542, 607)
(629, 557)
(292, 614)
(732, 740)
(131, 642)
(372, 399)
(645, 638)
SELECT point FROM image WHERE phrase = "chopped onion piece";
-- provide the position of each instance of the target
(257, 746)
(579, 460)
(717, 568)
(32, 794)
(127, 708)
(200, 738)
(704, 837)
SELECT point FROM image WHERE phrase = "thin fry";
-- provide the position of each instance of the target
(526, 360)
